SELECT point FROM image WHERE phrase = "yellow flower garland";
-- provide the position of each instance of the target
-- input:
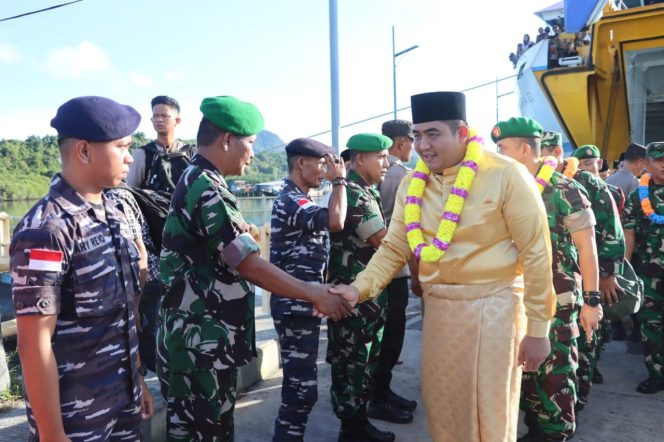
(453, 206)
(546, 172)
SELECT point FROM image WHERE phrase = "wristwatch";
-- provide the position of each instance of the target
(339, 181)
(592, 298)
(142, 370)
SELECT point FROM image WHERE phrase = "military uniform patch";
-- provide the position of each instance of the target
(46, 260)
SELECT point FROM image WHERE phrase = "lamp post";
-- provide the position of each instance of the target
(394, 69)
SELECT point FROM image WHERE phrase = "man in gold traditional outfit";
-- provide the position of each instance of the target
(479, 303)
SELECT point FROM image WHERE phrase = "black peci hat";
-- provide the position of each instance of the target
(438, 106)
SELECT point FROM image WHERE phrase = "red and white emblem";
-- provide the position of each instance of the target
(305, 203)
(47, 260)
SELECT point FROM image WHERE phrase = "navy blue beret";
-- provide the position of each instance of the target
(95, 119)
(308, 148)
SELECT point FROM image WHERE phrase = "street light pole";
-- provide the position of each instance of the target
(334, 74)
(394, 69)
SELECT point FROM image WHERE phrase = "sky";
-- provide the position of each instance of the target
(272, 53)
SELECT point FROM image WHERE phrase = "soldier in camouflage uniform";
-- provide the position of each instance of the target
(645, 246)
(354, 343)
(300, 246)
(610, 242)
(75, 275)
(208, 262)
(548, 395)
(592, 163)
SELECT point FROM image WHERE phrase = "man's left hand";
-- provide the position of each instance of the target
(609, 288)
(147, 404)
(532, 352)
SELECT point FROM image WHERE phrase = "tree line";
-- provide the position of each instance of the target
(27, 166)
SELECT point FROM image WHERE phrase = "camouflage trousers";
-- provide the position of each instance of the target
(548, 395)
(113, 425)
(200, 403)
(588, 357)
(353, 349)
(652, 326)
(298, 340)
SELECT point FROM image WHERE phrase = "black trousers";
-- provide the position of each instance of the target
(393, 335)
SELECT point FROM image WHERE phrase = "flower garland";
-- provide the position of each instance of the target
(453, 206)
(646, 205)
(571, 167)
(546, 172)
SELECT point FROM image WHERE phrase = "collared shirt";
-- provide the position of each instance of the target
(350, 252)
(624, 179)
(299, 244)
(388, 193)
(503, 230)
(79, 262)
(208, 309)
(608, 230)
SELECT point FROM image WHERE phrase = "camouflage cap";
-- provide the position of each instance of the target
(368, 142)
(656, 150)
(516, 127)
(551, 139)
(586, 151)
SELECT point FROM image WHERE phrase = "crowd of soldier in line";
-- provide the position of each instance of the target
(83, 254)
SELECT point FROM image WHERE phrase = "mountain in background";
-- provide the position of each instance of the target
(267, 140)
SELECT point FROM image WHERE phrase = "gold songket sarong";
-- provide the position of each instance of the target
(470, 378)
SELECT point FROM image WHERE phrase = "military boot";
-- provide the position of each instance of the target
(363, 431)
(535, 432)
(651, 386)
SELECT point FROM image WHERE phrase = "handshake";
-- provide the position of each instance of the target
(334, 301)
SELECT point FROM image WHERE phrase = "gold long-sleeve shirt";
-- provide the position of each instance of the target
(503, 231)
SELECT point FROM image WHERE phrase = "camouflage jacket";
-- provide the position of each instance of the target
(208, 308)
(300, 244)
(618, 197)
(350, 253)
(608, 230)
(78, 261)
(567, 211)
(648, 257)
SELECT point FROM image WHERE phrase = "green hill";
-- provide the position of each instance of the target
(26, 166)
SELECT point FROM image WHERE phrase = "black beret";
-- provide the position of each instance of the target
(635, 151)
(438, 106)
(308, 148)
(345, 155)
(604, 166)
(95, 119)
(397, 128)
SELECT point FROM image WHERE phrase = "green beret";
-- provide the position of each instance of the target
(551, 139)
(232, 115)
(655, 150)
(587, 151)
(369, 142)
(523, 127)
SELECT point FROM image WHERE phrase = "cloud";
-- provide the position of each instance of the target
(7, 54)
(140, 80)
(78, 61)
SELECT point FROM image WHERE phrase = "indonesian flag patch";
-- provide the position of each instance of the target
(47, 260)
(305, 203)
